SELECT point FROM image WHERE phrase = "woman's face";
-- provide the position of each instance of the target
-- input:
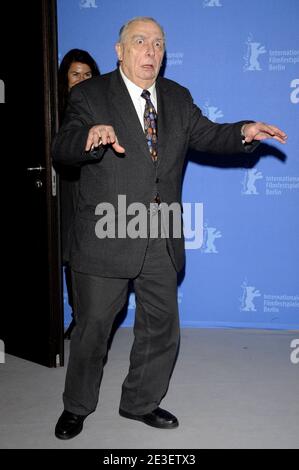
(77, 73)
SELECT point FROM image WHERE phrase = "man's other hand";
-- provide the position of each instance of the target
(261, 131)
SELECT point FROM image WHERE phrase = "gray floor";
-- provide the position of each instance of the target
(230, 389)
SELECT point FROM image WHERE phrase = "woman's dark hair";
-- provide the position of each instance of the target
(74, 55)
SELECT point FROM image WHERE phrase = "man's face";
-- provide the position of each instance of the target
(141, 52)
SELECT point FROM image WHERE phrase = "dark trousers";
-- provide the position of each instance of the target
(97, 301)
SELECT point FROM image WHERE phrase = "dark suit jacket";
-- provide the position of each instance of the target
(105, 175)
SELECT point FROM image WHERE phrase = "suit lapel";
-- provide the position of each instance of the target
(124, 111)
(166, 111)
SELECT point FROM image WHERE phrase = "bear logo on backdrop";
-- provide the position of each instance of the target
(210, 235)
(254, 50)
(249, 181)
(273, 185)
(277, 303)
(212, 3)
(212, 112)
(88, 4)
(247, 299)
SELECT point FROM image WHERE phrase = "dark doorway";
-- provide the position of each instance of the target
(32, 308)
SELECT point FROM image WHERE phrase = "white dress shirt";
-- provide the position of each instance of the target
(135, 94)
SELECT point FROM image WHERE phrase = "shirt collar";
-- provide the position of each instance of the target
(134, 89)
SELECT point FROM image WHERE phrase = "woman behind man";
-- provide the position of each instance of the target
(77, 65)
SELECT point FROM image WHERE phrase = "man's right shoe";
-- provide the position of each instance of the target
(69, 425)
(157, 418)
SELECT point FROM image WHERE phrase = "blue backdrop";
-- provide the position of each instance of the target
(240, 60)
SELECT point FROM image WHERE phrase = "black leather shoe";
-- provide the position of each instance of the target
(158, 418)
(69, 425)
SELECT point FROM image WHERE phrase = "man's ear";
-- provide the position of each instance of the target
(119, 50)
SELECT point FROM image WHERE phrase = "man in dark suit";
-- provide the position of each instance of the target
(129, 130)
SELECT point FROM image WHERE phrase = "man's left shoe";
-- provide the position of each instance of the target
(157, 418)
(69, 425)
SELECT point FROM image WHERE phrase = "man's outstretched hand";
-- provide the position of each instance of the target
(261, 131)
(102, 135)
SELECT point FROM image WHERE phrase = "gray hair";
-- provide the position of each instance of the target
(123, 30)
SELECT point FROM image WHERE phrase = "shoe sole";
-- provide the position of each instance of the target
(124, 414)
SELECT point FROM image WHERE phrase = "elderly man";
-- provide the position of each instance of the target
(130, 131)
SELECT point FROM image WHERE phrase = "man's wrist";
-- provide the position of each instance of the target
(243, 133)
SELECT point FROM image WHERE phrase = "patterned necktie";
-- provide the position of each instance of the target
(150, 125)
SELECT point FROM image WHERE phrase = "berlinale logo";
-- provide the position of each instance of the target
(254, 50)
(247, 299)
(249, 181)
(88, 4)
(212, 3)
(212, 112)
(210, 235)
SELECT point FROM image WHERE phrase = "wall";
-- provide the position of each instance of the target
(240, 60)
